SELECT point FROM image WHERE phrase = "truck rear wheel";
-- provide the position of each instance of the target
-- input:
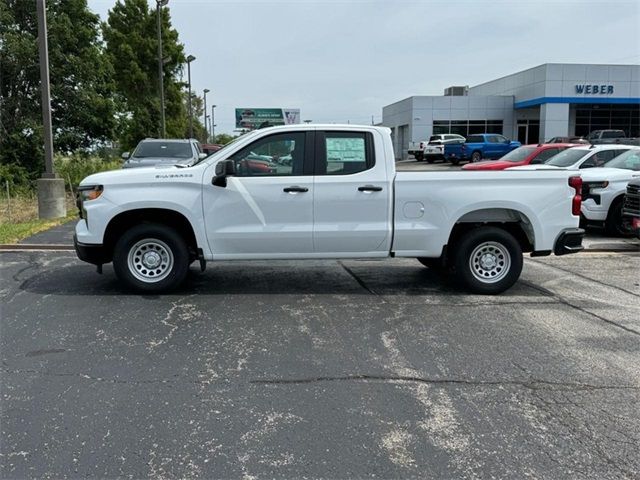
(419, 156)
(151, 258)
(476, 156)
(455, 161)
(487, 260)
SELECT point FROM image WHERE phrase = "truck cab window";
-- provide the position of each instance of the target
(345, 153)
(275, 155)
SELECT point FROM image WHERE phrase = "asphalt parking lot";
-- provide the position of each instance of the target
(320, 369)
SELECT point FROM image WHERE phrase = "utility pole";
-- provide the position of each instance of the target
(206, 132)
(213, 123)
(190, 59)
(159, 5)
(50, 188)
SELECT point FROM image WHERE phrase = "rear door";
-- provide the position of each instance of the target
(352, 195)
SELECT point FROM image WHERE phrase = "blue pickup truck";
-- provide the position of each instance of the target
(477, 147)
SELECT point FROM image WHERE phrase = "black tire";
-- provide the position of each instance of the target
(455, 162)
(163, 246)
(429, 159)
(616, 224)
(419, 156)
(476, 156)
(431, 263)
(503, 256)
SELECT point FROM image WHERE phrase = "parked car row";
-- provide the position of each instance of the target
(474, 148)
(605, 170)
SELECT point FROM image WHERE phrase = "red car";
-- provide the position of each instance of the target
(524, 155)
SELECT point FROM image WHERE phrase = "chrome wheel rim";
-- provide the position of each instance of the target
(490, 262)
(150, 260)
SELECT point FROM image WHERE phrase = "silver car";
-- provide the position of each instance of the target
(151, 152)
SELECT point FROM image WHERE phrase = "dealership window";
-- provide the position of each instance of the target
(467, 127)
(592, 117)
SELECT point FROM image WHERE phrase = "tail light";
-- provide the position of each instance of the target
(576, 184)
(464, 147)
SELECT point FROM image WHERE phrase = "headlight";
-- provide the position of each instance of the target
(89, 192)
(593, 185)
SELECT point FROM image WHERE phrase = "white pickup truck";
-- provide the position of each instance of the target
(434, 148)
(337, 196)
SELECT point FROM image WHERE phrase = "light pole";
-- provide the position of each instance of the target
(50, 187)
(190, 59)
(213, 123)
(159, 5)
(206, 132)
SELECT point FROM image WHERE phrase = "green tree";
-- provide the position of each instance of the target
(131, 36)
(224, 138)
(83, 110)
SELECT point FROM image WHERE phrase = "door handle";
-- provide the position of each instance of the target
(369, 188)
(295, 189)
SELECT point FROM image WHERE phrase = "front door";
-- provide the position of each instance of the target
(352, 195)
(266, 209)
(523, 138)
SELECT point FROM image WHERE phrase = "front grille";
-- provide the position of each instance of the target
(632, 200)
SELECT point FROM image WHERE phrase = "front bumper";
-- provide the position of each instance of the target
(569, 241)
(91, 253)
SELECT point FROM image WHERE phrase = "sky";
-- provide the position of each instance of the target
(343, 60)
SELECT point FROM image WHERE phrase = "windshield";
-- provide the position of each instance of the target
(567, 158)
(163, 150)
(519, 154)
(628, 160)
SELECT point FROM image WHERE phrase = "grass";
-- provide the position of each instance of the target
(19, 217)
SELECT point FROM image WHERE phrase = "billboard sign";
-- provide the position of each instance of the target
(254, 118)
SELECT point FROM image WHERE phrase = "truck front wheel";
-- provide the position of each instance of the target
(487, 260)
(151, 258)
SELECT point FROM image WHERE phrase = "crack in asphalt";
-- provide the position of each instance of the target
(535, 384)
(562, 300)
(584, 277)
(359, 280)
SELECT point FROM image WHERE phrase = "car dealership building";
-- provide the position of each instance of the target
(531, 106)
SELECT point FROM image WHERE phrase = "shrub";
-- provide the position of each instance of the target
(73, 168)
(18, 178)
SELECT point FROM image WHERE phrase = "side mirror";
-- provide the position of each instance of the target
(125, 155)
(202, 156)
(224, 169)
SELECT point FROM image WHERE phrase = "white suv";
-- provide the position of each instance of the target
(603, 192)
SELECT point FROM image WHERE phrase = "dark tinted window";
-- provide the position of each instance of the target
(545, 155)
(275, 155)
(612, 134)
(475, 139)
